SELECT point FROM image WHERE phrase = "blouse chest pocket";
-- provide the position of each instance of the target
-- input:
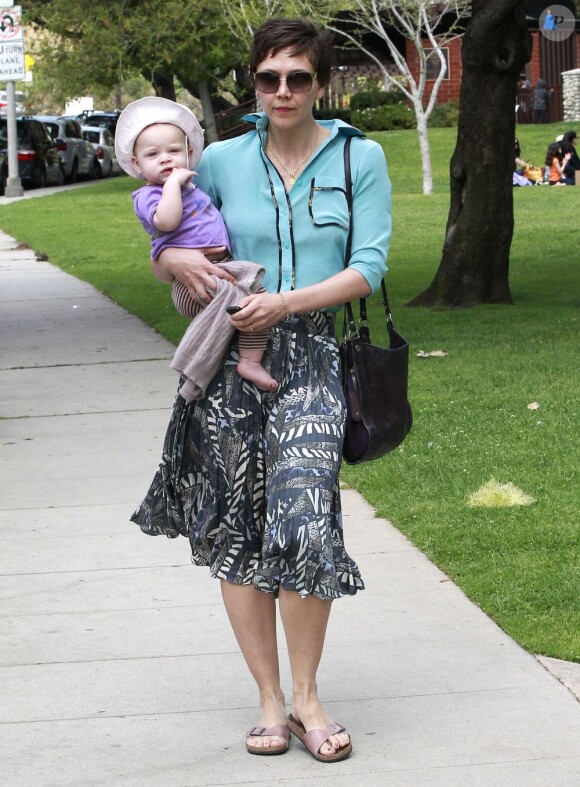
(327, 204)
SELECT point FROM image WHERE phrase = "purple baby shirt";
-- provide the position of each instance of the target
(201, 224)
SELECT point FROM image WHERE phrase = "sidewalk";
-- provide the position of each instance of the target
(118, 666)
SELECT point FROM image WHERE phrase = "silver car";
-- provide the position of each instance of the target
(102, 141)
(79, 158)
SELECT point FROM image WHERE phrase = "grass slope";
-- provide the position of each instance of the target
(472, 421)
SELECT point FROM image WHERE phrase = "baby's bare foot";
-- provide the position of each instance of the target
(255, 373)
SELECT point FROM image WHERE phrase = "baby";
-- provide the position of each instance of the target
(161, 142)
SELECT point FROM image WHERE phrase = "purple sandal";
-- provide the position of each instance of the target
(313, 740)
(279, 730)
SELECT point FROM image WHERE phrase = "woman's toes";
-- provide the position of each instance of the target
(339, 741)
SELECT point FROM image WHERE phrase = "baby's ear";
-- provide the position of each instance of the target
(135, 163)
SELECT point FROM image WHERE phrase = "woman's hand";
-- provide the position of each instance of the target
(260, 311)
(192, 268)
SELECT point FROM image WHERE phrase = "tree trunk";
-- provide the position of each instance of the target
(475, 263)
(211, 134)
(218, 103)
(162, 82)
(423, 134)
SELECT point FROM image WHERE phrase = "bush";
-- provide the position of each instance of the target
(333, 114)
(367, 99)
(444, 115)
(384, 118)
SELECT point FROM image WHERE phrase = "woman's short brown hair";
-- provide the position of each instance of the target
(298, 36)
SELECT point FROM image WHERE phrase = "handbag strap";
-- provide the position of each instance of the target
(348, 251)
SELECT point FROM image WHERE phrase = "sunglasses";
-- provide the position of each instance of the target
(296, 81)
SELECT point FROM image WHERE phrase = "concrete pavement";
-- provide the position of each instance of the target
(118, 666)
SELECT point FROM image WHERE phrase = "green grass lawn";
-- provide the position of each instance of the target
(472, 421)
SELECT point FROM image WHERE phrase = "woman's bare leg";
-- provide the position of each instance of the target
(305, 621)
(252, 614)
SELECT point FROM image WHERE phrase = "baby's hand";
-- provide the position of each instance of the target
(181, 175)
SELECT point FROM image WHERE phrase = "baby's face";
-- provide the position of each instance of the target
(159, 149)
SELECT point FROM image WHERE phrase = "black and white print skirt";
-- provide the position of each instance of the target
(251, 478)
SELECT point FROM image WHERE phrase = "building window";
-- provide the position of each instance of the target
(434, 63)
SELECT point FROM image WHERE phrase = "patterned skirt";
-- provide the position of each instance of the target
(251, 478)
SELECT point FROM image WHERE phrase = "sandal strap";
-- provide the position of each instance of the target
(278, 731)
(315, 738)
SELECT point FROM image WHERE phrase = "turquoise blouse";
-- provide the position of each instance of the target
(300, 236)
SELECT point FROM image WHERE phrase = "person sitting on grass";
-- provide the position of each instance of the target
(161, 142)
(569, 142)
(556, 161)
(520, 166)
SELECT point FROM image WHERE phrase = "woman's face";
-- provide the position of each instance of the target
(287, 110)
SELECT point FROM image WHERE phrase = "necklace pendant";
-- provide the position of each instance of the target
(292, 181)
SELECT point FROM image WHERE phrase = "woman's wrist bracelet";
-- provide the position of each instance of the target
(285, 305)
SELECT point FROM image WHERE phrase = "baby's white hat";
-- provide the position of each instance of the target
(147, 111)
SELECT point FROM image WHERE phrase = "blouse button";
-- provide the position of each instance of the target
(286, 245)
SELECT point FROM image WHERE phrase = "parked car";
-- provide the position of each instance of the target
(39, 163)
(78, 156)
(106, 120)
(19, 99)
(102, 141)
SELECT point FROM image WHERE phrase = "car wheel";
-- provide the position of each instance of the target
(61, 179)
(74, 173)
(109, 171)
(3, 179)
(95, 171)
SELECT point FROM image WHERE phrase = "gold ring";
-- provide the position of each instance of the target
(252, 328)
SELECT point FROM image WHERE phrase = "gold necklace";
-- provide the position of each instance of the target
(292, 175)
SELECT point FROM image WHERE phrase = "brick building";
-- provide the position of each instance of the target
(549, 59)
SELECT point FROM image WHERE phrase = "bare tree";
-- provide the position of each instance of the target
(420, 22)
(475, 263)
(243, 17)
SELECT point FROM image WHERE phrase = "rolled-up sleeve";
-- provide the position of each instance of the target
(371, 212)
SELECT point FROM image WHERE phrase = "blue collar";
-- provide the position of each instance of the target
(336, 127)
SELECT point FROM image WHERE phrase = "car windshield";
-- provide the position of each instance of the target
(102, 121)
(92, 136)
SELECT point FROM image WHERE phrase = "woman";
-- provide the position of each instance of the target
(520, 166)
(251, 477)
(569, 142)
(556, 161)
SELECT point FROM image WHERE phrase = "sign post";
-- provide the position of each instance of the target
(12, 67)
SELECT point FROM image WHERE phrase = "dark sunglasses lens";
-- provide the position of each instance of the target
(267, 81)
(299, 81)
